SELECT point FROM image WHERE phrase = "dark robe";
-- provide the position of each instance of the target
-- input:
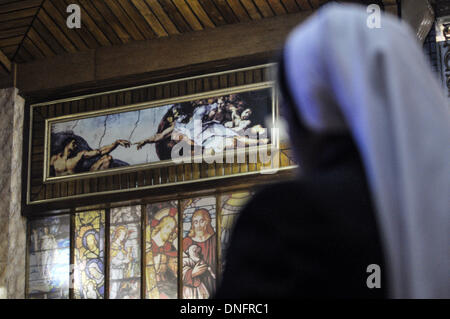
(311, 237)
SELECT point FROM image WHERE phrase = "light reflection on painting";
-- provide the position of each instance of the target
(199, 247)
(161, 250)
(49, 258)
(89, 255)
(125, 256)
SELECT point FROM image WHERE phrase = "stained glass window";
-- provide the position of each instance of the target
(196, 225)
(124, 253)
(89, 279)
(231, 204)
(161, 250)
(199, 260)
(49, 258)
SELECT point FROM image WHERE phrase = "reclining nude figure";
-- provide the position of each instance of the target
(211, 134)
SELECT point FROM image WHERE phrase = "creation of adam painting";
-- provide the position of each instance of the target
(147, 134)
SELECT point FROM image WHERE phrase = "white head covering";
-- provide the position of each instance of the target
(376, 83)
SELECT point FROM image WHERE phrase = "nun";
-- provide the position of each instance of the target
(368, 215)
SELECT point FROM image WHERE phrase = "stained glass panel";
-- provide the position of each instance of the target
(89, 255)
(125, 253)
(201, 261)
(199, 247)
(231, 204)
(161, 249)
(49, 258)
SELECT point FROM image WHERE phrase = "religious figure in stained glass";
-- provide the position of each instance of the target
(199, 248)
(89, 255)
(49, 258)
(125, 271)
(162, 251)
(48, 245)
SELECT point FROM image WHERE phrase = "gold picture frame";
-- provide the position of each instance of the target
(147, 105)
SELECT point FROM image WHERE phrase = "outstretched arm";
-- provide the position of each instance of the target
(89, 154)
(109, 148)
(103, 150)
(156, 138)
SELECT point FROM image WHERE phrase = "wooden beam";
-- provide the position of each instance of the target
(136, 60)
(5, 61)
(136, 197)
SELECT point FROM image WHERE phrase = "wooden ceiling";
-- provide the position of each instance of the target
(36, 29)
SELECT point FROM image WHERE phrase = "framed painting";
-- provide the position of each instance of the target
(157, 133)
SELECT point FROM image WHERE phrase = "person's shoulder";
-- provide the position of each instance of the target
(279, 198)
(280, 189)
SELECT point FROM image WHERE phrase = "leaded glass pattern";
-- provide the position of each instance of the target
(49, 258)
(89, 279)
(143, 257)
(161, 250)
(231, 205)
(124, 253)
(199, 247)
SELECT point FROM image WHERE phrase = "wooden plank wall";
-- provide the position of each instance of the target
(134, 180)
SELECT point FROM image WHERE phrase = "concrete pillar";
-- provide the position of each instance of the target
(12, 224)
